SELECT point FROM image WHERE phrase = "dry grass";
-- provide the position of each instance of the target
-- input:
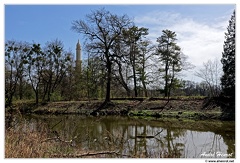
(26, 144)
(23, 142)
(37, 145)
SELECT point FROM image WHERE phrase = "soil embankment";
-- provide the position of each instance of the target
(194, 108)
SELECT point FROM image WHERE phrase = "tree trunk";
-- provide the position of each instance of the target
(144, 88)
(143, 77)
(109, 71)
(171, 82)
(121, 80)
(36, 96)
(135, 81)
(132, 60)
(166, 81)
(9, 100)
(45, 88)
(20, 88)
(49, 96)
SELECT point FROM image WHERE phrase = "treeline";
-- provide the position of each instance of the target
(49, 73)
(121, 62)
(34, 71)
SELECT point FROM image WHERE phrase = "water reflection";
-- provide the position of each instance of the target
(140, 138)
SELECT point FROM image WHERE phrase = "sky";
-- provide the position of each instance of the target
(199, 28)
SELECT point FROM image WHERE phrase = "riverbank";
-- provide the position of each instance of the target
(192, 108)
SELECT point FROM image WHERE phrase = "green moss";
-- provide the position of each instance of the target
(177, 114)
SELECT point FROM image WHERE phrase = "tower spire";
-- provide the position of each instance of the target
(78, 56)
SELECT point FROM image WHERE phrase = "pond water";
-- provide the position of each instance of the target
(142, 137)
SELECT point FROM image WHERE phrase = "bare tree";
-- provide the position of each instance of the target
(35, 64)
(120, 67)
(102, 29)
(14, 68)
(211, 73)
(58, 62)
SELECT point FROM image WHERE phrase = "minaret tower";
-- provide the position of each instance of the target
(78, 57)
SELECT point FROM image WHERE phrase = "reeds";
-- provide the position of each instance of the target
(22, 141)
(26, 144)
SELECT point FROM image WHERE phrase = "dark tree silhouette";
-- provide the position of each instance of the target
(102, 29)
(228, 78)
(228, 59)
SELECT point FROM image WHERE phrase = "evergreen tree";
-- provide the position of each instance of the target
(228, 78)
(170, 57)
(132, 37)
(228, 60)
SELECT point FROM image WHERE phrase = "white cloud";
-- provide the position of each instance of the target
(158, 18)
(200, 41)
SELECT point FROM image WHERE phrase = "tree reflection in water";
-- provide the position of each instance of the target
(137, 137)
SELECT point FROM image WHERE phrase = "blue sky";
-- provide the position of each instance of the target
(200, 28)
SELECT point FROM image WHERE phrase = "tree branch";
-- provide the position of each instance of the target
(89, 154)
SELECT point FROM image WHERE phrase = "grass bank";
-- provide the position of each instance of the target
(192, 108)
